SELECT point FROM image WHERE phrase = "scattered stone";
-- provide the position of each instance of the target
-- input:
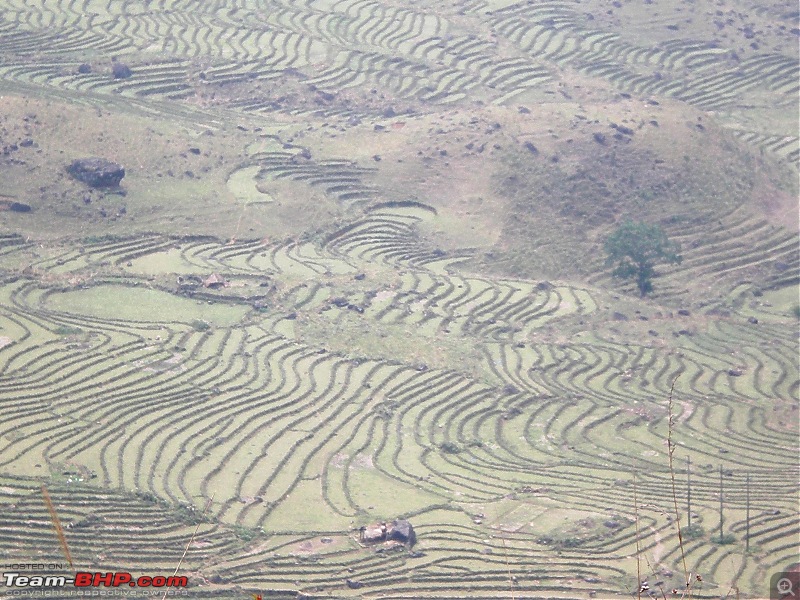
(19, 207)
(622, 129)
(26, 143)
(531, 148)
(121, 70)
(353, 585)
(735, 372)
(752, 320)
(97, 172)
(194, 150)
(684, 313)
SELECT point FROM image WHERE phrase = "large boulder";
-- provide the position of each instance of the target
(401, 531)
(121, 70)
(97, 172)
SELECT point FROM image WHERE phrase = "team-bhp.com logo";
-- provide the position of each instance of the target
(97, 579)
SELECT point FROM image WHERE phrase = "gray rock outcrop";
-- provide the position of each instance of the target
(97, 172)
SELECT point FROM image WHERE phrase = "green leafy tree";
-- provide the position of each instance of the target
(635, 249)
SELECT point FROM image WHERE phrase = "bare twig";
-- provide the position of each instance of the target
(508, 565)
(191, 539)
(670, 452)
(638, 549)
(62, 540)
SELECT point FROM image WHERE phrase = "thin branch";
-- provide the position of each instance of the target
(638, 549)
(670, 452)
(508, 565)
(62, 540)
(191, 539)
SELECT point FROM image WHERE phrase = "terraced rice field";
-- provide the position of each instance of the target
(358, 357)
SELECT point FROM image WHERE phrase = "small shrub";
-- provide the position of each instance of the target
(99, 239)
(796, 311)
(150, 498)
(66, 330)
(246, 534)
(199, 325)
(450, 448)
(693, 532)
(187, 514)
(724, 540)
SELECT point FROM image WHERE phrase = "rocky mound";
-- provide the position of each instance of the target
(97, 172)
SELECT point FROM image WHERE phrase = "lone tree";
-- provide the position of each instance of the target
(635, 248)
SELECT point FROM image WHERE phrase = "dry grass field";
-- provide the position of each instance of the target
(405, 204)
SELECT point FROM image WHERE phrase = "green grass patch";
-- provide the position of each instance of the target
(67, 330)
(142, 304)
